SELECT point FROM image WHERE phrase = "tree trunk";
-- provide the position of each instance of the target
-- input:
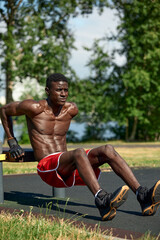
(9, 97)
(10, 52)
(126, 133)
(9, 84)
(134, 128)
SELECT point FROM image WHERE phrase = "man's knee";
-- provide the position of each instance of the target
(79, 153)
(109, 151)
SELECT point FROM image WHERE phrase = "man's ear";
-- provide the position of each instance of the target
(47, 90)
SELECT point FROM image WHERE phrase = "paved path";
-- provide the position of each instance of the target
(23, 191)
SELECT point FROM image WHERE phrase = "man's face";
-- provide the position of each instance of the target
(58, 92)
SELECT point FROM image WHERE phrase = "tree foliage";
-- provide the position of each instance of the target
(91, 94)
(38, 40)
(139, 34)
(134, 86)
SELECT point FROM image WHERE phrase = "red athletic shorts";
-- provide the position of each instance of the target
(47, 169)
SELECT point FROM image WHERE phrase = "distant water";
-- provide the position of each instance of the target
(17, 131)
(79, 128)
(1, 133)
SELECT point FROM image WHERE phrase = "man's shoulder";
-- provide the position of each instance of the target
(32, 106)
(33, 103)
(72, 108)
(71, 105)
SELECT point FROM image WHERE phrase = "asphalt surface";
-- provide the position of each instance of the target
(23, 191)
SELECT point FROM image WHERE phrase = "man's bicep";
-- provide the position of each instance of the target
(18, 108)
(12, 109)
(26, 107)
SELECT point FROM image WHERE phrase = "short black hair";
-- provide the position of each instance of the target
(55, 77)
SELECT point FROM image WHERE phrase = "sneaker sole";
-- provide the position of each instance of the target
(151, 210)
(156, 193)
(118, 200)
(110, 215)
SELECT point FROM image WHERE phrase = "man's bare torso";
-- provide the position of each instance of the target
(47, 130)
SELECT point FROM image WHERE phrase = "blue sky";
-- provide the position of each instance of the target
(86, 29)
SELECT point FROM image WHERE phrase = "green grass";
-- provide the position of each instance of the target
(115, 142)
(19, 168)
(27, 227)
(135, 157)
(141, 156)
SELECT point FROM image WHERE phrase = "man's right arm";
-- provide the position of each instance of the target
(27, 107)
(15, 109)
(6, 112)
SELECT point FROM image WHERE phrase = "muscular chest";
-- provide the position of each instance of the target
(48, 124)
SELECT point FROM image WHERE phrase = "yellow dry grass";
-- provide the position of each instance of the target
(140, 157)
(135, 157)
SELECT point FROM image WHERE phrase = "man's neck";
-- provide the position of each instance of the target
(55, 108)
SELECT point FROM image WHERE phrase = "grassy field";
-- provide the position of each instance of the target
(141, 156)
(135, 157)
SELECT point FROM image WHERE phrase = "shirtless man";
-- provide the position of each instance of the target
(48, 122)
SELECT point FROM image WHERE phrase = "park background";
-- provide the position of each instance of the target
(117, 84)
(114, 80)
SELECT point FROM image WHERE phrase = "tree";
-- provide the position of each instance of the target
(91, 94)
(135, 85)
(38, 40)
(139, 33)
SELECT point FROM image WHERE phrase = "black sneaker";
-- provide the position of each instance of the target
(107, 203)
(149, 199)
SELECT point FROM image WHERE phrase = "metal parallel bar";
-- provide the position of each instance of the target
(2, 157)
(56, 192)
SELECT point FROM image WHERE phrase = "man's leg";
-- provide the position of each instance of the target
(107, 154)
(149, 199)
(78, 159)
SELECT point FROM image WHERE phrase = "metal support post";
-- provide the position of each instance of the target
(1, 177)
(58, 192)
